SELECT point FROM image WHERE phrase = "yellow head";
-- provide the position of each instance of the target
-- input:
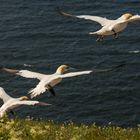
(61, 69)
(22, 98)
(126, 16)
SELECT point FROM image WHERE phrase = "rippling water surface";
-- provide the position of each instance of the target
(34, 36)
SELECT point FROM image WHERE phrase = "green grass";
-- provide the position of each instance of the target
(28, 129)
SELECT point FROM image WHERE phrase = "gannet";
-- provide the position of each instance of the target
(109, 27)
(48, 81)
(11, 103)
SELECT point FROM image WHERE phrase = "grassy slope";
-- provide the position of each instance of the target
(27, 129)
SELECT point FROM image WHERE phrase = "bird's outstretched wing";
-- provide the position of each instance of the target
(24, 73)
(100, 20)
(72, 74)
(32, 103)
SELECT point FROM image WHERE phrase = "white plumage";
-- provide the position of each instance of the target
(11, 103)
(109, 27)
(48, 81)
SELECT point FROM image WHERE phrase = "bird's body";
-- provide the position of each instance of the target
(10, 103)
(106, 30)
(47, 82)
(109, 27)
(112, 26)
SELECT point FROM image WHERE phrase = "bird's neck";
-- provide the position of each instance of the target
(60, 70)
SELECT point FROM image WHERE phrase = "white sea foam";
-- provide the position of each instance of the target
(135, 51)
(28, 65)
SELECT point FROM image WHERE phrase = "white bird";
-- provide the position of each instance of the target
(11, 103)
(48, 81)
(109, 27)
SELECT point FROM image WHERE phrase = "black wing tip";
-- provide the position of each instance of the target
(121, 65)
(58, 9)
(4, 69)
(118, 66)
(42, 104)
(1, 67)
(110, 69)
(51, 90)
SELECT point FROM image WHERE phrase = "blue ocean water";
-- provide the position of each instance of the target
(34, 36)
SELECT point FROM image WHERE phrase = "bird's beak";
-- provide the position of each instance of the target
(69, 69)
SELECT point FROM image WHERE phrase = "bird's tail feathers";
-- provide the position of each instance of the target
(36, 91)
(92, 33)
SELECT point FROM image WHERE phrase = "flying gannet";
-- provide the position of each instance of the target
(109, 27)
(11, 103)
(48, 81)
